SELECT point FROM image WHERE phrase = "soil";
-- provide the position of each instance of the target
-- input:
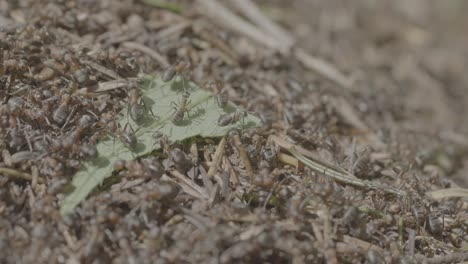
(401, 125)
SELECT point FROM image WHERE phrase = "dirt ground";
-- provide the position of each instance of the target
(401, 125)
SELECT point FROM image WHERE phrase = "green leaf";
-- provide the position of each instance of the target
(201, 120)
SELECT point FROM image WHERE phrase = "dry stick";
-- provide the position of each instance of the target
(411, 240)
(226, 18)
(152, 53)
(454, 137)
(347, 112)
(110, 73)
(451, 258)
(286, 145)
(327, 70)
(216, 11)
(401, 231)
(171, 30)
(322, 67)
(226, 52)
(329, 247)
(68, 118)
(447, 193)
(244, 157)
(361, 245)
(343, 177)
(217, 158)
(35, 176)
(252, 12)
(287, 159)
(233, 175)
(197, 220)
(186, 182)
(108, 86)
(17, 174)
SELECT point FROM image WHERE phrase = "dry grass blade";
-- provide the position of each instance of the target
(349, 114)
(152, 53)
(226, 18)
(171, 7)
(228, 55)
(323, 68)
(109, 86)
(110, 73)
(252, 12)
(287, 146)
(197, 220)
(343, 177)
(287, 159)
(447, 193)
(217, 158)
(244, 157)
(189, 186)
(223, 16)
(356, 243)
(172, 30)
(18, 174)
(451, 258)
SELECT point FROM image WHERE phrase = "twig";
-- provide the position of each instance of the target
(193, 188)
(122, 186)
(252, 12)
(244, 157)
(35, 176)
(102, 69)
(348, 113)
(411, 240)
(322, 67)
(447, 193)
(287, 159)
(108, 86)
(17, 174)
(233, 175)
(68, 118)
(171, 7)
(201, 222)
(217, 158)
(341, 176)
(451, 258)
(286, 145)
(71, 242)
(216, 11)
(454, 137)
(359, 244)
(152, 53)
(171, 30)
(223, 16)
(227, 53)
(401, 234)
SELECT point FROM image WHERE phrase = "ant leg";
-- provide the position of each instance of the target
(113, 140)
(184, 83)
(174, 105)
(150, 85)
(130, 126)
(148, 109)
(187, 109)
(128, 112)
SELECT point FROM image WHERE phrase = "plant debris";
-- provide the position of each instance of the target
(233, 131)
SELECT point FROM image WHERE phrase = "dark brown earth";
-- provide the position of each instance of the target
(401, 124)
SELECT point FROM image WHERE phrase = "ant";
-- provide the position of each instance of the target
(136, 106)
(181, 109)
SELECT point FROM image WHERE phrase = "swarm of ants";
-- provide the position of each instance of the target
(175, 206)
